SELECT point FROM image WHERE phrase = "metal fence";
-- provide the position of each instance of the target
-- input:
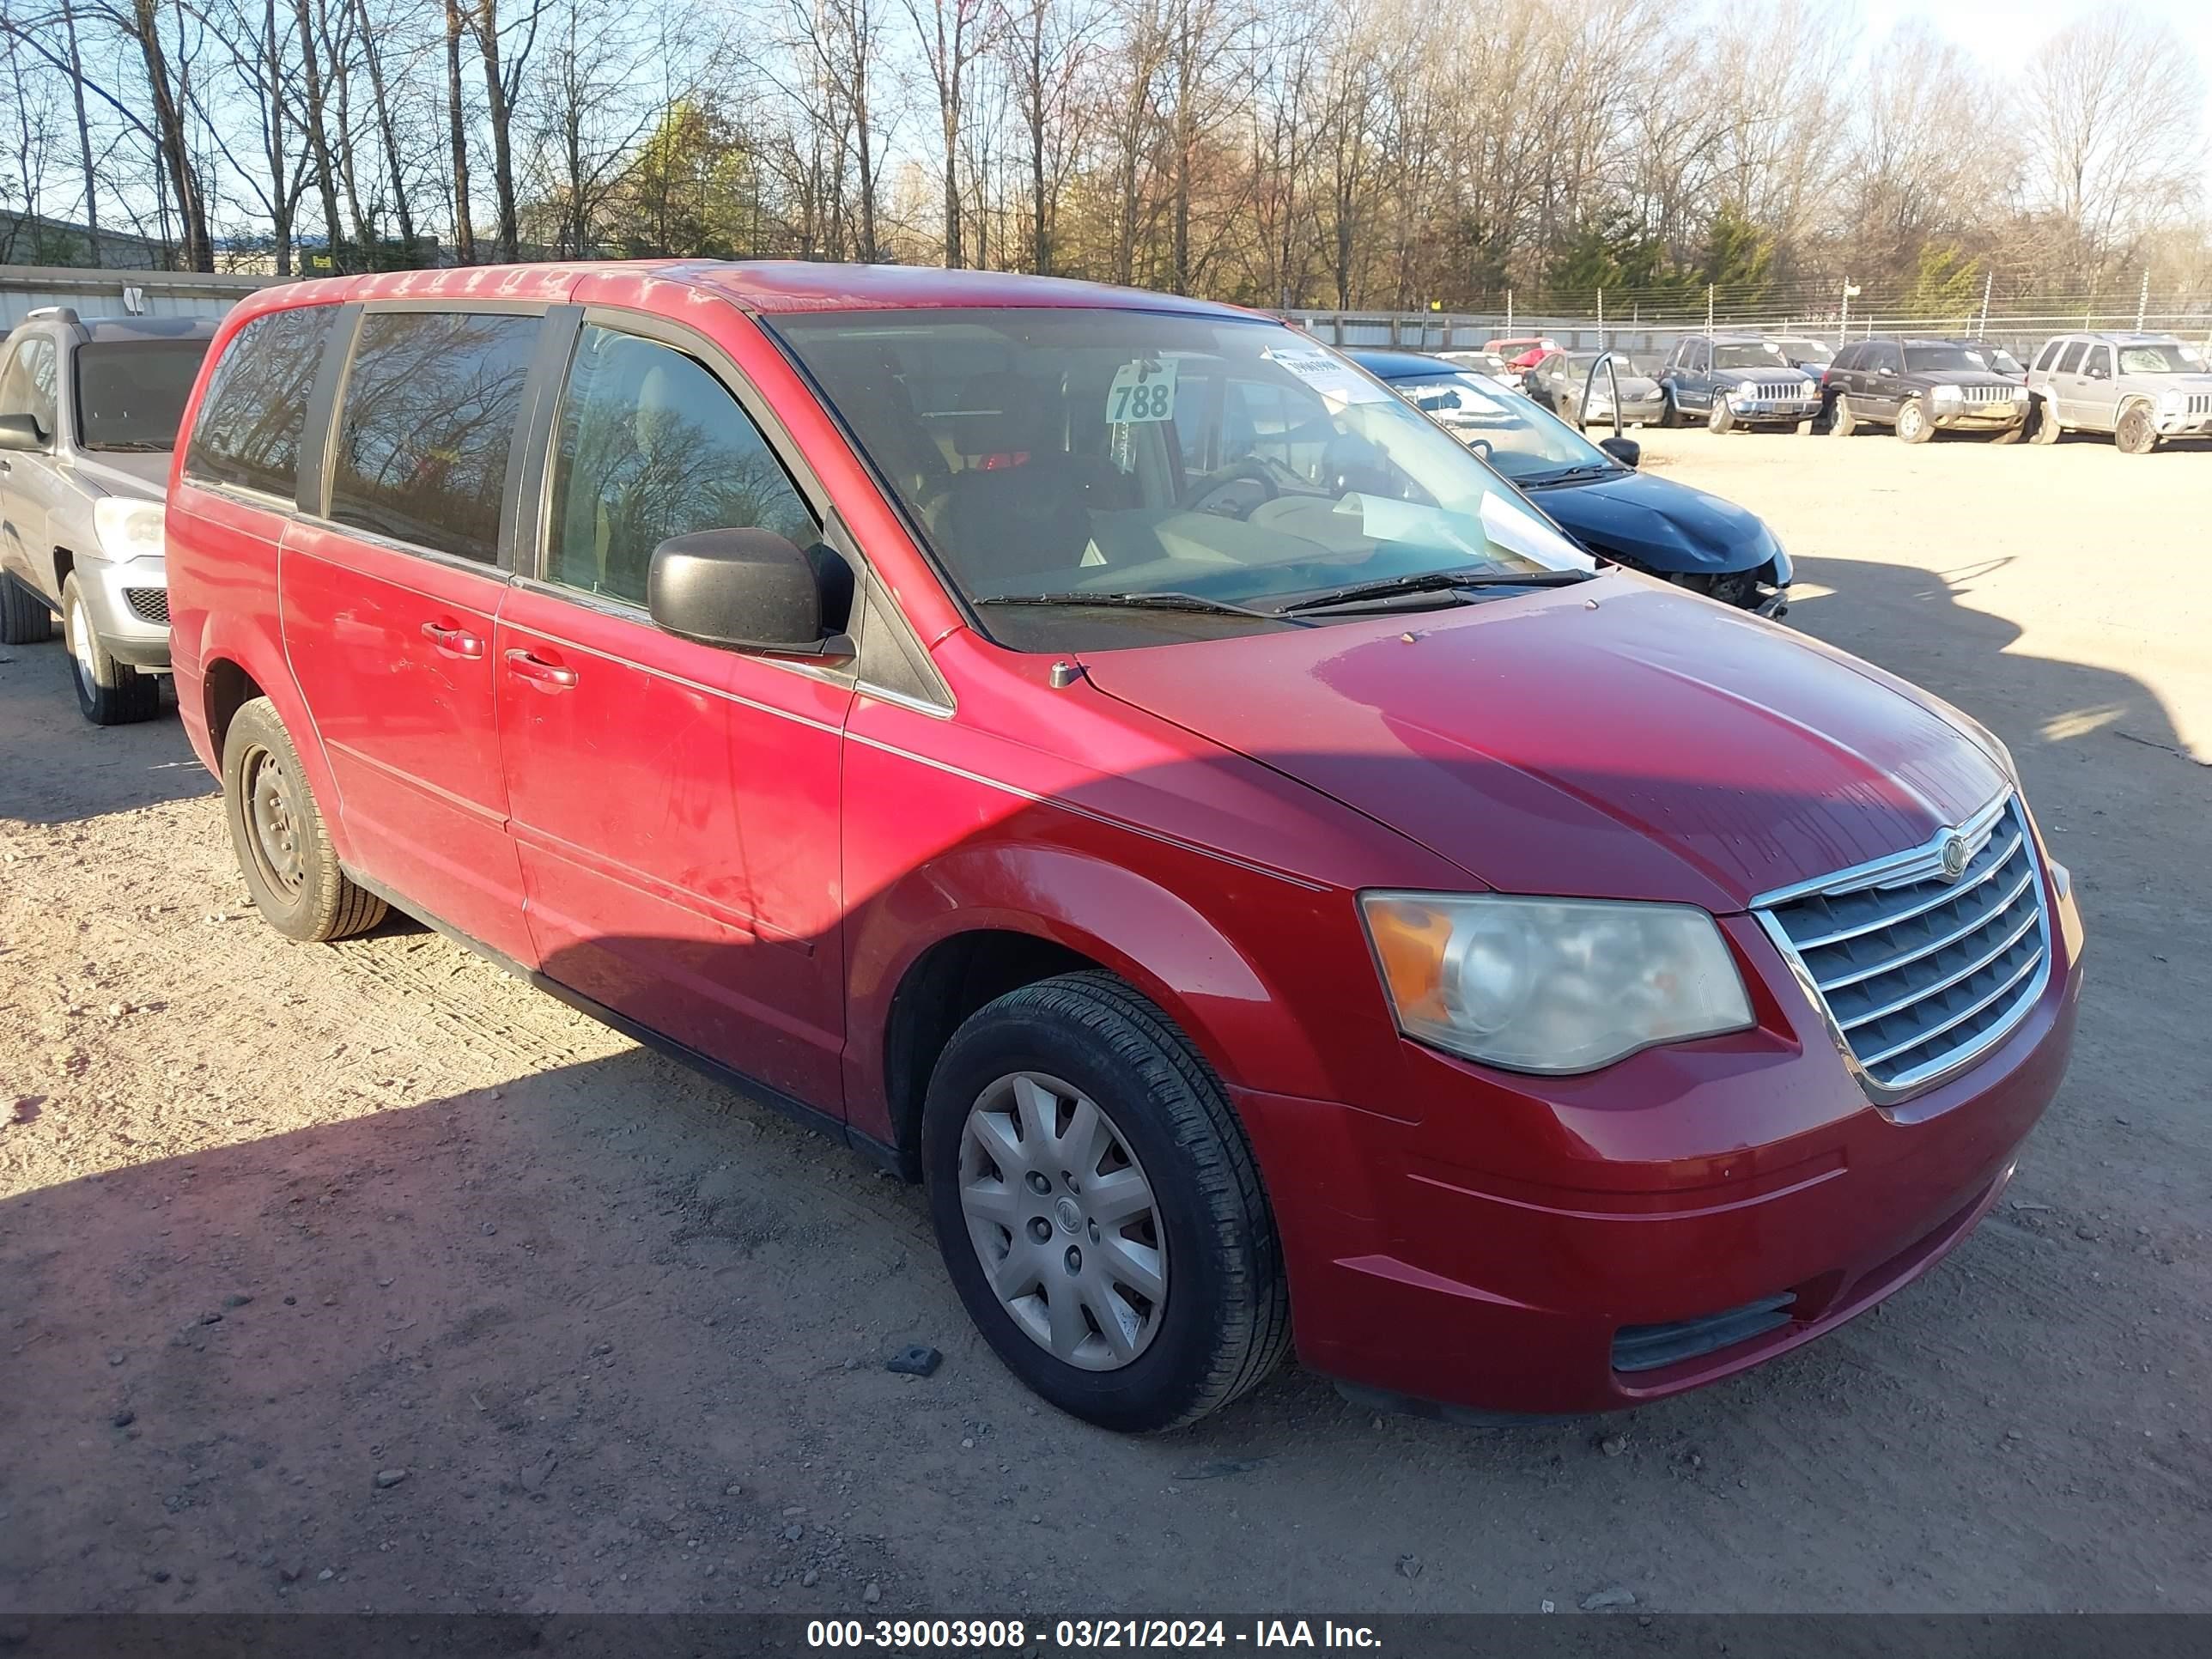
(111, 293)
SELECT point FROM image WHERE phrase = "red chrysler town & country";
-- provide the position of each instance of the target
(1103, 755)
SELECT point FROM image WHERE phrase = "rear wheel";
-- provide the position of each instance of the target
(110, 693)
(276, 830)
(1913, 425)
(25, 618)
(1098, 1208)
(2135, 434)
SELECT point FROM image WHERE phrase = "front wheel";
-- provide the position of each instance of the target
(2136, 433)
(25, 618)
(1098, 1208)
(1841, 421)
(2043, 426)
(111, 693)
(1722, 417)
(1913, 426)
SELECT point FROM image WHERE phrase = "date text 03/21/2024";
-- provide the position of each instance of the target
(1085, 1633)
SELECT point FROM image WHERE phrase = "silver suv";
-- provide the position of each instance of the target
(88, 414)
(2142, 388)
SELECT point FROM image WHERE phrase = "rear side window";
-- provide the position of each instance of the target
(1847, 358)
(2050, 355)
(2071, 362)
(651, 444)
(425, 426)
(250, 423)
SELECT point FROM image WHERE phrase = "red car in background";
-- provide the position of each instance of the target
(1523, 351)
(1104, 756)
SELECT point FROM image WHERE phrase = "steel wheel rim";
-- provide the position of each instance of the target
(1909, 421)
(78, 626)
(1063, 1221)
(272, 819)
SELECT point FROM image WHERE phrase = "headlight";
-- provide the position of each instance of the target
(1552, 985)
(2019, 394)
(2169, 403)
(1948, 394)
(127, 528)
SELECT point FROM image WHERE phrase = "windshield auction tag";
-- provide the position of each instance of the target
(1142, 390)
(1337, 384)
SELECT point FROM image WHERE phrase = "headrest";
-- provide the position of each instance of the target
(1003, 414)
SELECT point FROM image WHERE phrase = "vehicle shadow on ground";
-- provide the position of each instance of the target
(59, 767)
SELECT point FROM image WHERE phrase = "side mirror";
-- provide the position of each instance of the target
(21, 432)
(749, 590)
(1626, 450)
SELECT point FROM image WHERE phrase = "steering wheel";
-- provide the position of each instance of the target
(1218, 492)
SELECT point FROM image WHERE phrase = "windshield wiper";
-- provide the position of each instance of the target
(131, 446)
(1434, 581)
(1561, 474)
(1146, 602)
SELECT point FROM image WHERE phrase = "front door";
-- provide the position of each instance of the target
(675, 805)
(388, 611)
(2096, 400)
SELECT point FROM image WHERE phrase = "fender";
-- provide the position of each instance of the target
(1232, 1008)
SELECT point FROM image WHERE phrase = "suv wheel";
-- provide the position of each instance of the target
(25, 618)
(1841, 421)
(1721, 417)
(1099, 1209)
(1913, 425)
(2043, 426)
(2135, 434)
(276, 830)
(110, 693)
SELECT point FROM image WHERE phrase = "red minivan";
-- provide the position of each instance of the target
(1104, 756)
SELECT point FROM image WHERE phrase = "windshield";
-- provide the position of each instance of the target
(1939, 360)
(1808, 351)
(131, 393)
(2164, 358)
(1994, 358)
(1512, 434)
(1761, 356)
(1058, 452)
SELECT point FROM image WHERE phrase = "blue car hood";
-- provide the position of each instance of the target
(1658, 524)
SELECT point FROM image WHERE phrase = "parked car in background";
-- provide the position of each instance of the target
(1919, 387)
(2142, 388)
(1804, 351)
(1489, 365)
(1729, 381)
(88, 414)
(1522, 351)
(1560, 380)
(1593, 491)
(1106, 755)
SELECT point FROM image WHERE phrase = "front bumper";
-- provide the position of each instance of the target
(1759, 411)
(1582, 1244)
(2183, 424)
(1985, 417)
(128, 605)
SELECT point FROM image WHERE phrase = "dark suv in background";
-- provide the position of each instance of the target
(1736, 379)
(1919, 386)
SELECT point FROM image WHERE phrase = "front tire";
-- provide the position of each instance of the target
(2043, 427)
(1098, 1208)
(1913, 426)
(110, 693)
(276, 830)
(25, 618)
(1722, 418)
(2136, 433)
(1841, 421)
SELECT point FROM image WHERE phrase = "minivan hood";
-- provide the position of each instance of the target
(139, 474)
(1609, 740)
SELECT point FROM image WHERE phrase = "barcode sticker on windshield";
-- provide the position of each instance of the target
(1337, 383)
(1142, 390)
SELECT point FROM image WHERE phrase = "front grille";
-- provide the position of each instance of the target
(1987, 394)
(1780, 392)
(1648, 1347)
(148, 604)
(1918, 973)
(2200, 403)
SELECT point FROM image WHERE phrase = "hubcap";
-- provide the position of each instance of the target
(1910, 419)
(272, 813)
(1062, 1218)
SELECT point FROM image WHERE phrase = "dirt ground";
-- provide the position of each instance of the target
(279, 1223)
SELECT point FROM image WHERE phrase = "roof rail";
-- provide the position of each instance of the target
(58, 314)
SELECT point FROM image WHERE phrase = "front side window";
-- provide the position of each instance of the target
(2099, 365)
(1052, 453)
(130, 394)
(651, 444)
(425, 426)
(28, 387)
(248, 430)
(1885, 357)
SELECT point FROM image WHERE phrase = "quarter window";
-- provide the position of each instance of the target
(426, 423)
(248, 429)
(651, 444)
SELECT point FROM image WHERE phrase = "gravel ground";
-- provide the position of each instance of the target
(365, 1277)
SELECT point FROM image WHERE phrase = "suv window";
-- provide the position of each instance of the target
(1847, 358)
(650, 446)
(425, 426)
(1884, 356)
(2049, 356)
(1694, 361)
(2071, 362)
(250, 422)
(28, 386)
(130, 394)
(2099, 364)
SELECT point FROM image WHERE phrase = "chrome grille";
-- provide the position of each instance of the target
(148, 604)
(1918, 973)
(1780, 392)
(1987, 394)
(2200, 403)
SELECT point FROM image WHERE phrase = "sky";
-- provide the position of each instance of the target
(2003, 32)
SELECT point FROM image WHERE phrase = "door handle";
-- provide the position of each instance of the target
(454, 642)
(546, 676)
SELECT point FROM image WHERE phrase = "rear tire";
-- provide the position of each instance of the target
(276, 830)
(110, 693)
(2043, 427)
(1913, 424)
(25, 618)
(1083, 1056)
(1841, 421)
(2135, 434)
